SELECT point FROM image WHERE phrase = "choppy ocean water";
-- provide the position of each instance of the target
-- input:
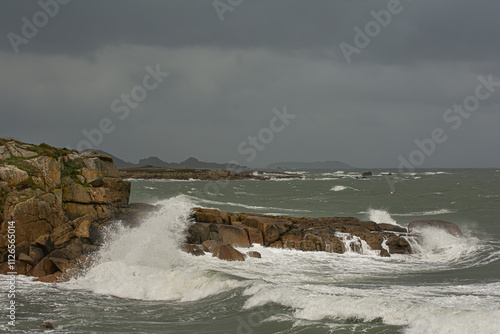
(143, 284)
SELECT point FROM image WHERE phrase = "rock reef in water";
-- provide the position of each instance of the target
(57, 200)
(334, 234)
(448, 227)
(159, 173)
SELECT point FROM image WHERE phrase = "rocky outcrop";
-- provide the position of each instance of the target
(254, 254)
(335, 234)
(449, 227)
(58, 200)
(227, 252)
(186, 174)
(393, 228)
(150, 172)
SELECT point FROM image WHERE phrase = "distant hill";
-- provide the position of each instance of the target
(157, 162)
(118, 162)
(310, 165)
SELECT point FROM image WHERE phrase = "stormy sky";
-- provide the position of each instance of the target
(368, 83)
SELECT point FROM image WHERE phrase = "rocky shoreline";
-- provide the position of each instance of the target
(332, 234)
(159, 173)
(219, 232)
(55, 202)
(58, 201)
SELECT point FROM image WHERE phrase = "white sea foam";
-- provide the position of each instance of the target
(381, 217)
(424, 213)
(340, 188)
(254, 207)
(420, 311)
(145, 262)
(436, 173)
(436, 245)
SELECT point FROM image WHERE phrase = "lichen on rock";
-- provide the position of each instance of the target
(58, 200)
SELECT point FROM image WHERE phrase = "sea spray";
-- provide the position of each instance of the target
(146, 263)
(381, 217)
(340, 188)
(436, 245)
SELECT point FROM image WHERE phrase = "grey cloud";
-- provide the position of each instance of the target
(226, 77)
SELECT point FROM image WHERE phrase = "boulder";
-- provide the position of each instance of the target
(234, 236)
(254, 235)
(294, 235)
(36, 253)
(45, 243)
(392, 228)
(84, 227)
(47, 325)
(50, 169)
(276, 244)
(228, 253)
(63, 264)
(56, 277)
(58, 254)
(43, 268)
(269, 230)
(446, 226)
(198, 233)
(210, 216)
(12, 175)
(398, 245)
(384, 253)
(254, 254)
(32, 219)
(210, 245)
(74, 249)
(192, 249)
(63, 235)
(19, 150)
(101, 163)
(22, 247)
(26, 258)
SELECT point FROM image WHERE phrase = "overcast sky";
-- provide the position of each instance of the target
(230, 64)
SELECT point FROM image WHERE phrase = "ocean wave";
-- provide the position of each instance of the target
(145, 262)
(419, 310)
(337, 173)
(381, 217)
(280, 179)
(254, 207)
(340, 188)
(424, 213)
(438, 246)
(436, 173)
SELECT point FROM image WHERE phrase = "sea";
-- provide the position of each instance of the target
(141, 282)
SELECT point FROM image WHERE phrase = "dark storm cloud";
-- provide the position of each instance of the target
(443, 30)
(227, 76)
